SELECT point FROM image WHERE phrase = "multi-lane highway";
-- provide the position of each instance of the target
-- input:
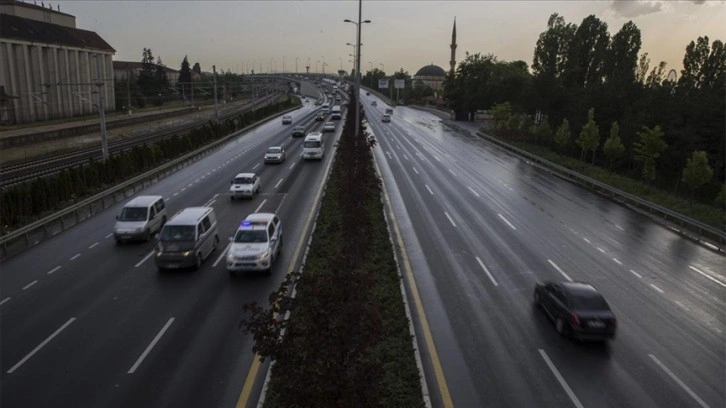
(481, 226)
(88, 323)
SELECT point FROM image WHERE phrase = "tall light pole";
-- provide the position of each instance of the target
(316, 66)
(357, 65)
(383, 67)
(296, 64)
(101, 106)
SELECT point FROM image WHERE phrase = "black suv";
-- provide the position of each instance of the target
(319, 117)
(298, 131)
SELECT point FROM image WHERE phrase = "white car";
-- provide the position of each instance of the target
(329, 127)
(275, 154)
(386, 117)
(244, 185)
(286, 120)
(256, 244)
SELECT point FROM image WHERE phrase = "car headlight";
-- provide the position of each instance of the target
(186, 253)
(263, 255)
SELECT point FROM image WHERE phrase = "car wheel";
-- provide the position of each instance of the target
(560, 326)
(147, 235)
(233, 274)
(268, 271)
(198, 264)
(216, 243)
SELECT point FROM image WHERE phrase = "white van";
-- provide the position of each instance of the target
(335, 112)
(313, 147)
(187, 239)
(140, 219)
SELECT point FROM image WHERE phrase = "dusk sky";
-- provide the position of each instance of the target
(238, 35)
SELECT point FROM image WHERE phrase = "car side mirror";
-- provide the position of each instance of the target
(230, 239)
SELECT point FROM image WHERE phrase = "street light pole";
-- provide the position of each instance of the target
(357, 65)
(101, 108)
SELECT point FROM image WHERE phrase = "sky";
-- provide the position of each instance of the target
(265, 35)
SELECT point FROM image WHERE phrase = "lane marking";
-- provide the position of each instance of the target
(415, 171)
(278, 183)
(292, 165)
(554, 265)
(487, 271)
(561, 380)
(600, 249)
(74, 257)
(175, 194)
(427, 188)
(678, 381)
(145, 258)
(508, 223)
(617, 261)
(389, 155)
(682, 305)
(405, 156)
(472, 190)
(261, 204)
(30, 284)
(707, 275)
(150, 346)
(450, 220)
(619, 227)
(40, 346)
(437, 159)
(587, 240)
(190, 184)
(214, 265)
(93, 245)
(182, 189)
(657, 288)
(452, 172)
(256, 166)
(7, 299)
(53, 270)
(636, 274)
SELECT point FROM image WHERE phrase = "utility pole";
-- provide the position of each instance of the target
(101, 107)
(216, 111)
(357, 71)
(128, 91)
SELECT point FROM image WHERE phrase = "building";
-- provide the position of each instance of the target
(48, 67)
(122, 69)
(432, 75)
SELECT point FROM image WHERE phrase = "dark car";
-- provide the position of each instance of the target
(319, 117)
(577, 309)
(298, 131)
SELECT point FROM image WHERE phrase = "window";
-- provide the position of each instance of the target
(133, 214)
(250, 236)
(206, 223)
(178, 233)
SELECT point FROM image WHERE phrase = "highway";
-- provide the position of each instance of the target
(88, 323)
(481, 226)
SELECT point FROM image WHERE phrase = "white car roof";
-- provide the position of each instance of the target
(245, 175)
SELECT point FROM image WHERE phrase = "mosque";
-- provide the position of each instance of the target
(433, 75)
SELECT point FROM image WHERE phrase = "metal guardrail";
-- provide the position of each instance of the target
(695, 229)
(47, 227)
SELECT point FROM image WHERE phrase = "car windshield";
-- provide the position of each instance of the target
(133, 214)
(589, 302)
(311, 143)
(242, 180)
(274, 150)
(177, 233)
(250, 236)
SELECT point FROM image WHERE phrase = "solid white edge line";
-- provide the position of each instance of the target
(450, 220)
(150, 346)
(561, 379)
(30, 284)
(278, 183)
(472, 190)
(678, 381)
(427, 188)
(508, 223)
(214, 265)
(53, 270)
(260, 206)
(707, 275)
(487, 271)
(145, 258)
(636, 274)
(657, 288)
(554, 265)
(7, 299)
(40, 346)
(75, 256)
(93, 245)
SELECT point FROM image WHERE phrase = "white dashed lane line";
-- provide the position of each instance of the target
(278, 183)
(636, 274)
(587, 240)
(427, 188)
(679, 382)
(260, 206)
(75, 256)
(601, 250)
(474, 192)
(414, 170)
(554, 265)
(452, 172)
(144, 259)
(450, 220)
(30, 284)
(108, 236)
(53, 270)
(561, 379)
(657, 288)
(40, 346)
(221, 256)
(7, 299)
(508, 223)
(617, 261)
(707, 276)
(150, 346)
(487, 271)
(93, 245)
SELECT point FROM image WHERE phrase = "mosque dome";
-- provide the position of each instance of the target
(431, 71)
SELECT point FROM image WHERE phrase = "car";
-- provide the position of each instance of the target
(368, 94)
(320, 117)
(386, 118)
(286, 120)
(256, 244)
(578, 310)
(298, 131)
(329, 127)
(389, 111)
(374, 103)
(187, 239)
(275, 154)
(244, 185)
(140, 218)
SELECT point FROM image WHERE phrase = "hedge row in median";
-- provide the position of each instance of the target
(346, 342)
(23, 203)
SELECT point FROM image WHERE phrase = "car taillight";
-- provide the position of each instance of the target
(574, 319)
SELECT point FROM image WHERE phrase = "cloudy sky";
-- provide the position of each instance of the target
(408, 34)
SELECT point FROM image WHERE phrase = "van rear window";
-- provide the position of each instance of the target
(311, 144)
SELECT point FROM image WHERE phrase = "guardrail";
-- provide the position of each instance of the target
(692, 228)
(47, 227)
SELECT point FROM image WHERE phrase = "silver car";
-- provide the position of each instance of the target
(275, 154)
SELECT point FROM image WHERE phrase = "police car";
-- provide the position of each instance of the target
(256, 244)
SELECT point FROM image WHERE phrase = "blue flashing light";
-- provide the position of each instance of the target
(246, 223)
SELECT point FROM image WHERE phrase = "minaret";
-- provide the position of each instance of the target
(453, 49)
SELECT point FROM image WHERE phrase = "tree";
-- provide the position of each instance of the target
(502, 114)
(586, 54)
(146, 80)
(550, 53)
(697, 171)
(613, 147)
(562, 136)
(589, 138)
(543, 132)
(622, 57)
(197, 69)
(648, 148)
(185, 78)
